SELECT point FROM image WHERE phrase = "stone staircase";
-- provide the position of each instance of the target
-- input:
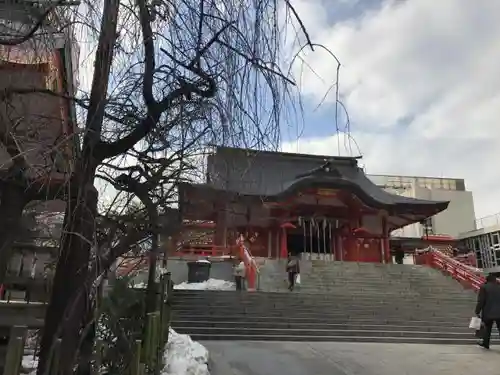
(357, 302)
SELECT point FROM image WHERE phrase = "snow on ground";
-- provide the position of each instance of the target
(206, 261)
(30, 363)
(210, 284)
(184, 356)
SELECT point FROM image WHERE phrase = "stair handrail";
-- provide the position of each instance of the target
(436, 259)
(251, 267)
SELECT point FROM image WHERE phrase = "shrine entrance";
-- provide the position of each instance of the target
(311, 237)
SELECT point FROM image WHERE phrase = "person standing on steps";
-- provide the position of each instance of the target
(293, 269)
(239, 273)
(399, 255)
(488, 308)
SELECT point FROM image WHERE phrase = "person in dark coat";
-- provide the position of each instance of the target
(399, 255)
(293, 269)
(488, 308)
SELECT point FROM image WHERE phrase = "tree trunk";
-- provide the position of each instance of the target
(152, 288)
(66, 312)
(13, 201)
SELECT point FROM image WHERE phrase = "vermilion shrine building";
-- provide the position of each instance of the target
(318, 205)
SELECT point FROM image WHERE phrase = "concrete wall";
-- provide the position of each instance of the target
(460, 215)
(179, 271)
(458, 218)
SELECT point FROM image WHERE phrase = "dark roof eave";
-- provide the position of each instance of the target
(435, 206)
(341, 183)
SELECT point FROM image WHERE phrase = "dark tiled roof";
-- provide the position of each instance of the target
(276, 175)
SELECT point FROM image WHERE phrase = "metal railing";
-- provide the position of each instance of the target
(488, 221)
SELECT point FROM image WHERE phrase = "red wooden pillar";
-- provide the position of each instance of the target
(283, 240)
(220, 235)
(283, 244)
(349, 245)
(384, 242)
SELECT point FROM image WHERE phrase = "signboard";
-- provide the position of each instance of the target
(326, 192)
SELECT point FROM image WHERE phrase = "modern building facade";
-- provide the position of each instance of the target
(459, 217)
(484, 242)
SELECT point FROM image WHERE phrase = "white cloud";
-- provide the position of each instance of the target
(421, 82)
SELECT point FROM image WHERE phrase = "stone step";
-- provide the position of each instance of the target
(375, 315)
(244, 331)
(344, 319)
(340, 291)
(317, 325)
(359, 339)
(305, 296)
(366, 280)
(227, 293)
(320, 304)
(379, 293)
(379, 288)
(458, 310)
(322, 298)
(360, 278)
(334, 302)
(375, 280)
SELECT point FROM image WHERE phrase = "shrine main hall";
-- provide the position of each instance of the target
(295, 203)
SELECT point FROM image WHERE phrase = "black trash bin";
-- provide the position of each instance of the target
(198, 271)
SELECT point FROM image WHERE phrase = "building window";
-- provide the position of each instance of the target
(495, 238)
(476, 245)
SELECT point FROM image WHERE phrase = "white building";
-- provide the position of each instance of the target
(484, 240)
(458, 218)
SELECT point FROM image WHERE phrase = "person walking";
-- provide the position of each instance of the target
(293, 269)
(239, 273)
(399, 255)
(488, 308)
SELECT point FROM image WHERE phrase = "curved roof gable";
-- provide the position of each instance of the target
(344, 173)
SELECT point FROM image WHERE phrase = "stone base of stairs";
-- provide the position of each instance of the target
(210, 315)
(357, 302)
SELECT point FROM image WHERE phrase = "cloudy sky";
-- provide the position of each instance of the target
(421, 83)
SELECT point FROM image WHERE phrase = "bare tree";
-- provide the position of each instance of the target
(169, 76)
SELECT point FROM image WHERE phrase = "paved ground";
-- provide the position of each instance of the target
(273, 358)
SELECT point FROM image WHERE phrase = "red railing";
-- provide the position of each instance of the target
(459, 271)
(251, 268)
(205, 250)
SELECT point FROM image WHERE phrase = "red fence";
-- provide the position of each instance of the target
(460, 272)
(251, 268)
(205, 250)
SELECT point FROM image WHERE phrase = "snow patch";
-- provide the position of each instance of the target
(184, 356)
(30, 364)
(204, 261)
(210, 284)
